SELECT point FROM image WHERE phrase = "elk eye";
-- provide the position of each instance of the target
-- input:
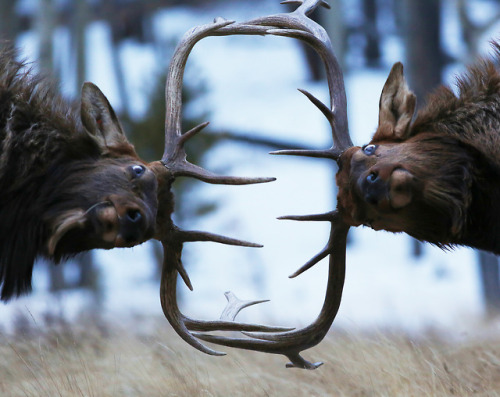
(369, 150)
(138, 170)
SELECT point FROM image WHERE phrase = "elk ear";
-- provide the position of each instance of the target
(99, 118)
(396, 107)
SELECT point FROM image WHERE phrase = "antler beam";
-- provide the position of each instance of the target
(291, 343)
(275, 340)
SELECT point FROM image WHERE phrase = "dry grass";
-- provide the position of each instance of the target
(96, 360)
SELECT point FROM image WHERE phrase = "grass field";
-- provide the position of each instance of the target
(93, 359)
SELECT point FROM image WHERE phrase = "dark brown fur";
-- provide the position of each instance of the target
(66, 184)
(438, 178)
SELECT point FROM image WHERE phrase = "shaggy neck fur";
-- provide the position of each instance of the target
(39, 135)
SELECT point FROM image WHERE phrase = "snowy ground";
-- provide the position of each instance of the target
(252, 87)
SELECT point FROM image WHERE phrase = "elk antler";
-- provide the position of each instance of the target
(172, 165)
(290, 343)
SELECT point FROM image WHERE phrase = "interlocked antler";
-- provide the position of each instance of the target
(172, 165)
(290, 343)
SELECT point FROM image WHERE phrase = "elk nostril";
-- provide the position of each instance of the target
(134, 216)
(371, 199)
(372, 177)
(109, 226)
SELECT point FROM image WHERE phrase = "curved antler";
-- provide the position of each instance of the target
(297, 25)
(290, 343)
(175, 164)
(182, 324)
(174, 156)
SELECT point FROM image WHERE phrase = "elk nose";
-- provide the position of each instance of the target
(132, 226)
(372, 177)
(374, 188)
(371, 198)
(133, 215)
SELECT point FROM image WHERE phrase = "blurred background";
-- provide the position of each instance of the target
(246, 87)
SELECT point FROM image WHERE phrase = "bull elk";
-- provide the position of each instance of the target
(69, 185)
(434, 178)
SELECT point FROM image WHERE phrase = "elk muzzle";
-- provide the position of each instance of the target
(121, 224)
(387, 188)
(374, 186)
(101, 219)
(124, 223)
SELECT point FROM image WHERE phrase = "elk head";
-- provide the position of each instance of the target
(373, 183)
(407, 178)
(111, 202)
(66, 185)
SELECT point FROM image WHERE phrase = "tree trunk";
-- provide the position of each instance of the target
(8, 28)
(472, 31)
(334, 23)
(81, 17)
(45, 26)
(490, 281)
(488, 263)
(56, 278)
(424, 56)
(372, 48)
(421, 29)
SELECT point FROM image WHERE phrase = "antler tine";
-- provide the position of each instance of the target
(332, 153)
(292, 343)
(191, 133)
(296, 25)
(168, 299)
(184, 168)
(173, 88)
(326, 217)
(299, 26)
(174, 156)
(327, 250)
(191, 236)
(179, 166)
(228, 325)
(182, 324)
(235, 305)
(327, 112)
(299, 2)
(177, 237)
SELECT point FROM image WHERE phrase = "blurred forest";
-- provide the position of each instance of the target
(361, 31)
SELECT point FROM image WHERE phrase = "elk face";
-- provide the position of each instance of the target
(403, 181)
(375, 187)
(105, 203)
